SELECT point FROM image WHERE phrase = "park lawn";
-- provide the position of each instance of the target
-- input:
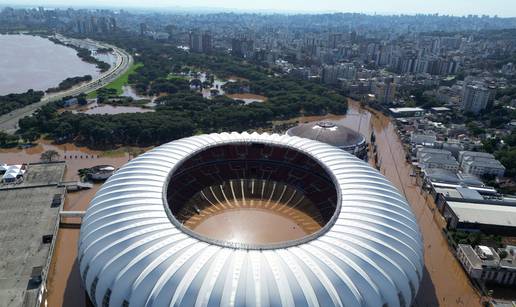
(119, 82)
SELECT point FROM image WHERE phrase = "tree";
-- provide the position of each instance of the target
(30, 136)
(49, 156)
(8, 140)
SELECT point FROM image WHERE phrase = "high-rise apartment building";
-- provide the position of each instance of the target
(475, 98)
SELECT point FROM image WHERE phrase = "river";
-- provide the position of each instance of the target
(444, 282)
(33, 62)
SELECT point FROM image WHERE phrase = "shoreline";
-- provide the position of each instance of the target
(9, 121)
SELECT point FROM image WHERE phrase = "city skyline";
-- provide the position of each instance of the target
(501, 8)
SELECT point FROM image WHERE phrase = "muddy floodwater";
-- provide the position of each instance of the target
(444, 281)
(33, 62)
(248, 98)
(95, 108)
(250, 226)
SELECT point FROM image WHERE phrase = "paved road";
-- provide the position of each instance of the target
(9, 122)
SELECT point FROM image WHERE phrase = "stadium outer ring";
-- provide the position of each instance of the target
(133, 251)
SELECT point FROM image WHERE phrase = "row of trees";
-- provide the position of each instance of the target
(68, 83)
(12, 102)
(85, 54)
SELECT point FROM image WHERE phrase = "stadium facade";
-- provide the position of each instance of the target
(136, 249)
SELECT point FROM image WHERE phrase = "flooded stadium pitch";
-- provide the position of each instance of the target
(251, 194)
(256, 222)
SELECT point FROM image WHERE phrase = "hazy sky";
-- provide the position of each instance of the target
(506, 8)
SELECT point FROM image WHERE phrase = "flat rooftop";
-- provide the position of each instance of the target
(26, 215)
(406, 109)
(486, 214)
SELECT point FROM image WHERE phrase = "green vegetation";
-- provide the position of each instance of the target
(7, 140)
(119, 82)
(49, 156)
(474, 238)
(505, 151)
(68, 83)
(183, 111)
(12, 102)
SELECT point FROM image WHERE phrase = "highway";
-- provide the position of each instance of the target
(9, 121)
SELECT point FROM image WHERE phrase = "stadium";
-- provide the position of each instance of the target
(333, 134)
(244, 219)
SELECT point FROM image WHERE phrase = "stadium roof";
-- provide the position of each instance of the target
(329, 133)
(132, 251)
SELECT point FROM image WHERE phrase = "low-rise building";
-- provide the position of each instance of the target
(423, 139)
(407, 112)
(429, 158)
(490, 217)
(480, 163)
(484, 264)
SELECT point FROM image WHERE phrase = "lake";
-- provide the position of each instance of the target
(33, 62)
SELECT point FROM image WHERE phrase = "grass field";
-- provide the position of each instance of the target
(119, 82)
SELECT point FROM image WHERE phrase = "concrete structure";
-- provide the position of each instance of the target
(422, 139)
(385, 91)
(201, 42)
(436, 158)
(333, 134)
(28, 225)
(440, 110)
(480, 216)
(407, 112)
(483, 264)
(133, 251)
(331, 74)
(475, 98)
(480, 163)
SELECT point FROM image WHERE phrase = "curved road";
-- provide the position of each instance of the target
(9, 121)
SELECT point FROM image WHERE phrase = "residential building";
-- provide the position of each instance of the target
(385, 91)
(417, 138)
(480, 164)
(475, 98)
(429, 158)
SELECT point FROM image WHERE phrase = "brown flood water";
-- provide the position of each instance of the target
(444, 282)
(248, 98)
(250, 226)
(95, 108)
(255, 221)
